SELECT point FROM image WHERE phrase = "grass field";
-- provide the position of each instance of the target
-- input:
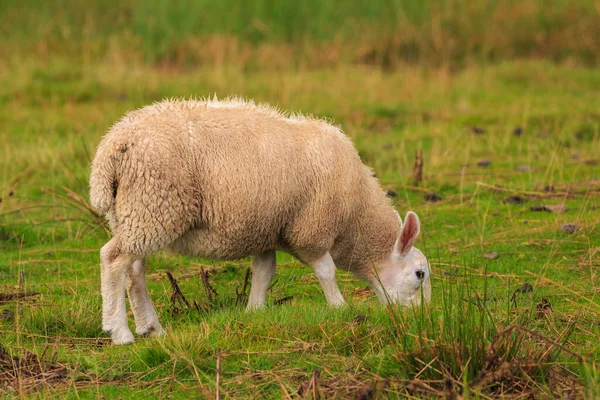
(510, 143)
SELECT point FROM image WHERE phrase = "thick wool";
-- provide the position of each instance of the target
(229, 179)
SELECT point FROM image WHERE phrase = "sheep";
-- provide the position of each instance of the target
(227, 179)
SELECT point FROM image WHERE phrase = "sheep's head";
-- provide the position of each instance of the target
(404, 277)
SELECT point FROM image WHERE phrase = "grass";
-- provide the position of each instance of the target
(262, 34)
(480, 336)
(499, 139)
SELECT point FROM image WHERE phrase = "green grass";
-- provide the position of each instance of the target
(72, 74)
(261, 34)
(477, 337)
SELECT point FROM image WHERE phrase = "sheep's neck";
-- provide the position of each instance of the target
(369, 239)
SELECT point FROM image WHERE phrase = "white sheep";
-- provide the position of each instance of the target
(230, 179)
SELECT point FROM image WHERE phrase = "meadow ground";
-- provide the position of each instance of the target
(515, 305)
(508, 125)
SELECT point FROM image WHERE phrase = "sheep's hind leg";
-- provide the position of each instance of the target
(113, 270)
(146, 320)
(263, 269)
(324, 269)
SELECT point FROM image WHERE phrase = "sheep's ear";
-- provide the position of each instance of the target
(409, 233)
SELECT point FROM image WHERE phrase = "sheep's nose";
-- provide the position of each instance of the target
(420, 274)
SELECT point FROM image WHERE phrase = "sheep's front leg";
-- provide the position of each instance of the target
(263, 269)
(146, 320)
(324, 269)
(113, 272)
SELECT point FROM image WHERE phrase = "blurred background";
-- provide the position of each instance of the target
(270, 34)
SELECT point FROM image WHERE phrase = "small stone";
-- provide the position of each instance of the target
(11, 193)
(491, 256)
(569, 228)
(390, 193)
(536, 208)
(359, 319)
(484, 163)
(514, 200)
(432, 197)
(518, 131)
(477, 130)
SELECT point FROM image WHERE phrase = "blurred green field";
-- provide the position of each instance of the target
(310, 33)
(502, 99)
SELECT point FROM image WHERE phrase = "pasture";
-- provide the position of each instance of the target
(509, 201)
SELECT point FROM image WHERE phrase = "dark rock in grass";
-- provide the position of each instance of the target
(484, 163)
(569, 228)
(553, 208)
(548, 188)
(516, 199)
(477, 130)
(491, 256)
(432, 197)
(359, 319)
(590, 162)
(390, 193)
(11, 193)
(518, 131)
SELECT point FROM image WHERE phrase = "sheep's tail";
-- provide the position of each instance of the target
(103, 180)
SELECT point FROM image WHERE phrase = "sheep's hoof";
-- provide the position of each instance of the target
(151, 331)
(122, 337)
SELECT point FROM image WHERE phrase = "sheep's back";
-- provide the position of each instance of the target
(252, 180)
